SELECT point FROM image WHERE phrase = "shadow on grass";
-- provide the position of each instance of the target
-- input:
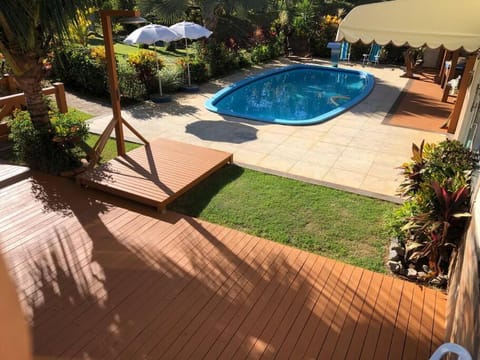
(193, 202)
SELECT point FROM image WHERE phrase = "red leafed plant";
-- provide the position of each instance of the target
(433, 218)
(436, 232)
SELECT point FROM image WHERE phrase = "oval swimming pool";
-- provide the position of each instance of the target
(294, 95)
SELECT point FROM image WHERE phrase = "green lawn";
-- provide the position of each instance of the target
(123, 50)
(325, 221)
(110, 150)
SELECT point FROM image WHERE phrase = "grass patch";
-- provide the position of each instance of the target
(79, 115)
(329, 222)
(123, 50)
(110, 150)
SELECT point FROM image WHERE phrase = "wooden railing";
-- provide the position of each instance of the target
(15, 101)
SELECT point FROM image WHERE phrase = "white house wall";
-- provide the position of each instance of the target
(466, 114)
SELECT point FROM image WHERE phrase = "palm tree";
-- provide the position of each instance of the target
(170, 11)
(28, 30)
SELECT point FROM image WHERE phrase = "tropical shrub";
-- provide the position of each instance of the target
(131, 87)
(198, 70)
(220, 59)
(437, 188)
(172, 78)
(52, 150)
(326, 33)
(145, 64)
(260, 53)
(81, 68)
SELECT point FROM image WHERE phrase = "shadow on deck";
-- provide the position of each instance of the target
(419, 106)
(102, 277)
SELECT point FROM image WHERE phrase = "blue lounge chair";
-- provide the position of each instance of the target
(373, 56)
(344, 51)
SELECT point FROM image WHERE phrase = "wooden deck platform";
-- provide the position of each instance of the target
(103, 278)
(156, 174)
(11, 173)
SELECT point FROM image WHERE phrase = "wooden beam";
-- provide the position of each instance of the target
(132, 129)
(100, 144)
(112, 72)
(60, 97)
(445, 57)
(462, 91)
(448, 73)
(117, 121)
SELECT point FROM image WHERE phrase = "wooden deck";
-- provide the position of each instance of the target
(420, 107)
(156, 174)
(11, 173)
(103, 278)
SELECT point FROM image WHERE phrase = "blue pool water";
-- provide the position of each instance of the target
(294, 95)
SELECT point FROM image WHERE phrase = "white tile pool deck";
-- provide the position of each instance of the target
(353, 151)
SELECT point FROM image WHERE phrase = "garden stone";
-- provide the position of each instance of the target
(394, 255)
(395, 266)
(421, 275)
(396, 246)
(400, 250)
(412, 273)
(440, 281)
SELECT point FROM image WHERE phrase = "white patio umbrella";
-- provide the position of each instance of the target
(151, 34)
(192, 31)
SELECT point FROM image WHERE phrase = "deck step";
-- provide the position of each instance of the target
(156, 174)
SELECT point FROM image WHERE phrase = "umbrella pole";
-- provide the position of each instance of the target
(158, 70)
(188, 64)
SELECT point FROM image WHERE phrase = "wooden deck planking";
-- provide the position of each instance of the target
(130, 283)
(371, 338)
(216, 325)
(419, 105)
(165, 326)
(279, 321)
(157, 173)
(391, 312)
(11, 173)
(171, 309)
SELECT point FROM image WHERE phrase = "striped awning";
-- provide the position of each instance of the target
(454, 24)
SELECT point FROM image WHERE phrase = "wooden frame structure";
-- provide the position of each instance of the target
(117, 121)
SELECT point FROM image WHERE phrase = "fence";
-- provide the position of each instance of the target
(14, 101)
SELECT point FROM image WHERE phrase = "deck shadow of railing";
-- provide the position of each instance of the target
(91, 288)
(101, 281)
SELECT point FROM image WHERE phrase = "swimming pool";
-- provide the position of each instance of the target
(294, 95)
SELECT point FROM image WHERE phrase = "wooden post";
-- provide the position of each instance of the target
(12, 86)
(462, 91)
(117, 120)
(106, 16)
(441, 72)
(60, 97)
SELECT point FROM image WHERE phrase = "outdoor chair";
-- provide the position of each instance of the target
(373, 56)
(345, 51)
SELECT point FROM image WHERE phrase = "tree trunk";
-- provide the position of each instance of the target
(30, 83)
